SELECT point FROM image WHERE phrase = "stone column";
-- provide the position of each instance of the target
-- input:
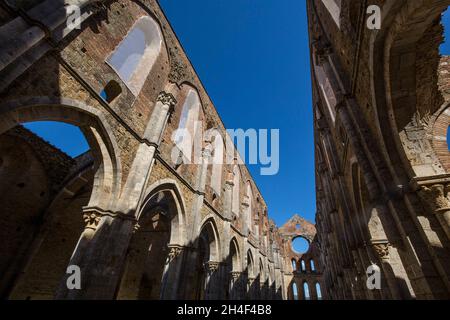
(172, 273)
(236, 278)
(100, 254)
(212, 283)
(437, 198)
(251, 288)
(200, 194)
(133, 191)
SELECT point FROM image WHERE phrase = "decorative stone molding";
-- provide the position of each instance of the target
(92, 219)
(136, 227)
(381, 249)
(436, 196)
(174, 252)
(235, 275)
(167, 99)
(211, 266)
(229, 184)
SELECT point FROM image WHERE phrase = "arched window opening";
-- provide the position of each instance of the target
(236, 181)
(111, 91)
(295, 291)
(294, 265)
(217, 162)
(135, 56)
(312, 265)
(306, 291)
(39, 160)
(250, 270)
(250, 206)
(318, 291)
(303, 266)
(188, 129)
(233, 266)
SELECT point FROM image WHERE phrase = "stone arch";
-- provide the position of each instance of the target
(209, 232)
(216, 140)
(250, 264)
(134, 57)
(439, 130)
(93, 124)
(399, 105)
(235, 256)
(178, 224)
(189, 131)
(148, 264)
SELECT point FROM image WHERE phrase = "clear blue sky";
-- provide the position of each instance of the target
(253, 59)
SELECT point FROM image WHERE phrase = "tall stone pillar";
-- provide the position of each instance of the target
(172, 274)
(437, 198)
(236, 287)
(212, 280)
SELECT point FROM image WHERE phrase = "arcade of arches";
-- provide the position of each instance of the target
(141, 223)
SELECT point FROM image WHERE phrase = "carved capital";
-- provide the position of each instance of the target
(235, 275)
(167, 99)
(92, 219)
(382, 250)
(436, 197)
(211, 266)
(174, 252)
(245, 202)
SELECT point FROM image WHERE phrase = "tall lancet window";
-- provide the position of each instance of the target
(236, 181)
(188, 128)
(135, 56)
(217, 161)
(250, 206)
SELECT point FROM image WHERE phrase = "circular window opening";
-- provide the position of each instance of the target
(300, 245)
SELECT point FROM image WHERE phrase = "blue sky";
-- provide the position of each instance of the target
(253, 59)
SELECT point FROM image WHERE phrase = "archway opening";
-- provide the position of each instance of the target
(206, 263)
(148, 260)
(47, 172)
